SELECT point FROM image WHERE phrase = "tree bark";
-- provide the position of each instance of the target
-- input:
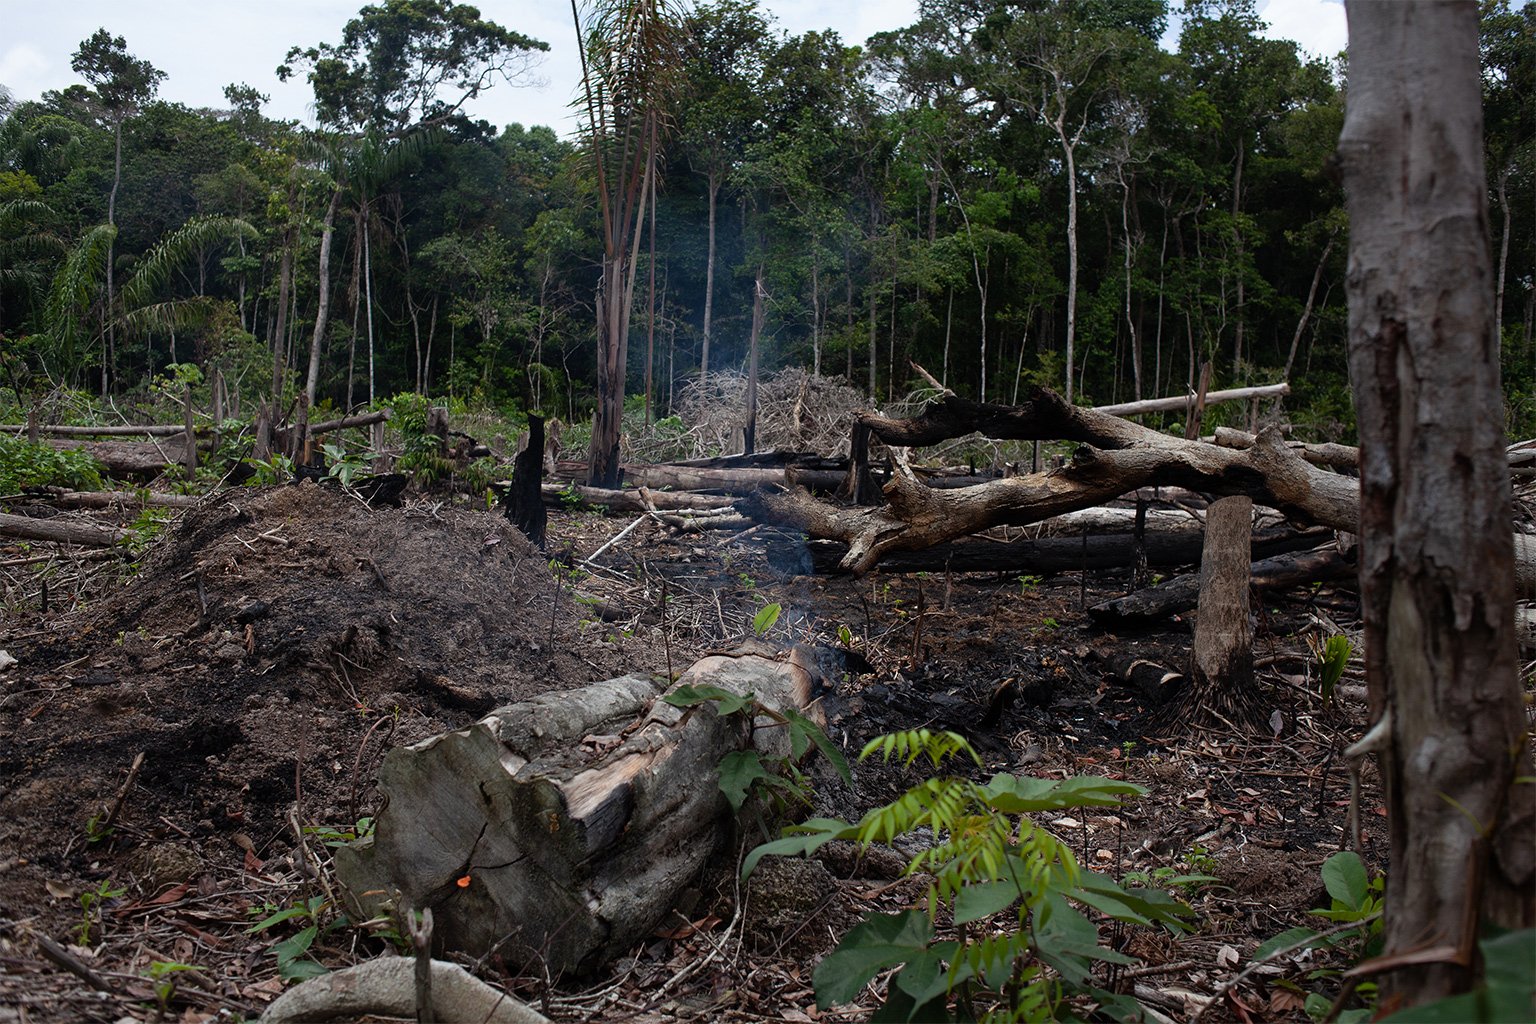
(524, 499)
(1436, 555)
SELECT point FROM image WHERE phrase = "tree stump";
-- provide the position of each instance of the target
(567, 823)
(1221, 664)
(525, 498)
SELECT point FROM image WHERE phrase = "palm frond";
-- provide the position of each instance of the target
(75, 288)
(177, 248)
(172, 315)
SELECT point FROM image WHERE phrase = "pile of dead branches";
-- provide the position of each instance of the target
(796, 412)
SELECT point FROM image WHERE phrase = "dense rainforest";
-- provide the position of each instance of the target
(1067, 193)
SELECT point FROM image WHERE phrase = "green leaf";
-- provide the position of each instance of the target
(974, 902)
(1289, 937)
(763, 621)
(1138, 906)
(805, 838)
(1344, 878)
(738, 771)
(926, 977)
(802, 729)
(726, 702)
(300, 970)
(286, 914)
(1016, 794)
(295, 946)
(879, 942)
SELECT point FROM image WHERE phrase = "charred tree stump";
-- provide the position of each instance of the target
(525, 497)
(1221, 665)
(567, 823)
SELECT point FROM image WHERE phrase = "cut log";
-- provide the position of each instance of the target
(1182, 593)
(569, 822)
(60, 531)
(135, 459)
(1221, 664)
(1064, 553)
(364, 419)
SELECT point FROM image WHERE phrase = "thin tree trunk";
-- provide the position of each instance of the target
(368, 297)
(323, 311)
(279, 332)
(355, 290)
(1306, 312)
(1130, 324)
(1437, 551)
(749, 432)
(1498, 304)
(709, 275)
(949, 324)
(650, 319)
(1237, 244)
(1068, 152)
(109, 356)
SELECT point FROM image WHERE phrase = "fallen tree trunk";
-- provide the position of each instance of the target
(1178, 403)
(120, 499)
(1334, 456)
(139, 459)
(1059, 553)
(58, 430)
(1221, 660)
(60, 531)
(1180, 594)
(632, 500)
(1128, 457)
(569, 822)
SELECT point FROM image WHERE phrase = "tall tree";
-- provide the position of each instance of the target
(123, 84)
(401, 65)
(1436, 567)
(632, 55)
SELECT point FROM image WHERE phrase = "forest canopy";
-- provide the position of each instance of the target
(1060, 193)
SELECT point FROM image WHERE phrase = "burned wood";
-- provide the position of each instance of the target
(568, 822)
(1063, 553)
(1182, 593)
(1153, 681)
(524, 502)
(60, 430)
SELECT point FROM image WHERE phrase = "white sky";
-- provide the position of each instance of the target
(203, 45)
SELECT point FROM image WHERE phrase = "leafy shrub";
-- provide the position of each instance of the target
(985, 856)
(24, 465)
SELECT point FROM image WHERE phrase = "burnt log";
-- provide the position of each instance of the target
(524, 499)
(564, 826)
(1062, 553)
(1182, 593)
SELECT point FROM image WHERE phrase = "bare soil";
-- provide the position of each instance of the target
(275, 643)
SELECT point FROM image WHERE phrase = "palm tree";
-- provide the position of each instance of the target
(631, 60)
(74, 310)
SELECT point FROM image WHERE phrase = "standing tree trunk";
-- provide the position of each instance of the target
(709, 275)
(323, 311)
(749, 432)
(279, 335)
(1437, 586)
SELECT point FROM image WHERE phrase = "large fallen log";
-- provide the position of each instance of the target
(567, 823)
(1059, 553)
(138, 459)
(1180, 594)
(558, 495)
(1117, 456)
(1178, 403)
(60, 430)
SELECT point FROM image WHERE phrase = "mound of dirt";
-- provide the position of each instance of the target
(269, 650)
